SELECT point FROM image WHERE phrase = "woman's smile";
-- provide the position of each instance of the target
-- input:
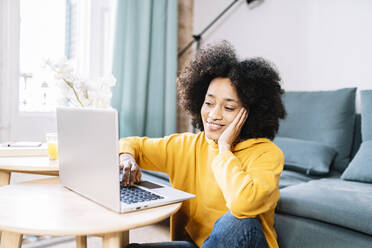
(211, 126)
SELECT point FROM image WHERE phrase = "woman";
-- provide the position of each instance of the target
(231, 165)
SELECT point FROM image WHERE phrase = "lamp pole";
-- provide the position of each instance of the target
(198, 37)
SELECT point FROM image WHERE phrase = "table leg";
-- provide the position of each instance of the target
(124, 236)
(81, 241)
(11, 240)
(4, 178)
(115, 240)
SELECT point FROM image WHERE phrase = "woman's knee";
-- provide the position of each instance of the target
(236, 232)
(229, 222)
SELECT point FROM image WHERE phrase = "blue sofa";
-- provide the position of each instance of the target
(326, 186)
(323, 203)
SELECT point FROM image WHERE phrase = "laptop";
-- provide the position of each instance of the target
(89, 163)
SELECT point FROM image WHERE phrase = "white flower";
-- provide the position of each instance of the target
(77, 91)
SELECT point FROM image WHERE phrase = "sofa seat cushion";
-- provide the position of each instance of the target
(334, 201)
(297, 232)
(290, 178)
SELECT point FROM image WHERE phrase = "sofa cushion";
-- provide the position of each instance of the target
(334, 201)
(305, 156)
(357, 139)
(306, 233)
(326, 117)
(366, 109)
(360, 168)
(290, 178)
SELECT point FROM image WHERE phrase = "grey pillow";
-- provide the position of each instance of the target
(306, 156)
(360, 168)
(366, 109)
(326, 117)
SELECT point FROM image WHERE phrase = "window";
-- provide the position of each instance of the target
(42, 36)
(34, 30)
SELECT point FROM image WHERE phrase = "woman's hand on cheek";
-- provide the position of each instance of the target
(232, 132)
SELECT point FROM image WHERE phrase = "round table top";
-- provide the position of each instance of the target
(45, 207)
(29, 164)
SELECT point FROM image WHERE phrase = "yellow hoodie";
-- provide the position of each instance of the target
(244, 181)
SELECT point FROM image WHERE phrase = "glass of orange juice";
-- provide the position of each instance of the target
(51, 139)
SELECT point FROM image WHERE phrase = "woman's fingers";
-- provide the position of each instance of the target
(232, 132)
(238, 117)
(131, 171)
(138, 176)
(242, 118)
(133, 174)
(126, 173)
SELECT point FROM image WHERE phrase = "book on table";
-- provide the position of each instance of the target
(23, 149)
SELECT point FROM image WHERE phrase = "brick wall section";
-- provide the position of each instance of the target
(185, 32)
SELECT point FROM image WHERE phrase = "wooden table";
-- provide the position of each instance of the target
(34, 165)
(45, 207)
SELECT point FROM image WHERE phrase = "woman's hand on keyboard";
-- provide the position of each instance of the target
(131, 171)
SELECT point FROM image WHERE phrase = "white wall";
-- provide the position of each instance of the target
(316, 44)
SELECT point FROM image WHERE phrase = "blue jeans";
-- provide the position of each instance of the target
(228, 231)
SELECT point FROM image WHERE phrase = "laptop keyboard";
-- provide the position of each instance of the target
(134, 194)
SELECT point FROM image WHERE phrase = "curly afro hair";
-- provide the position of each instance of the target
(256, 80)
